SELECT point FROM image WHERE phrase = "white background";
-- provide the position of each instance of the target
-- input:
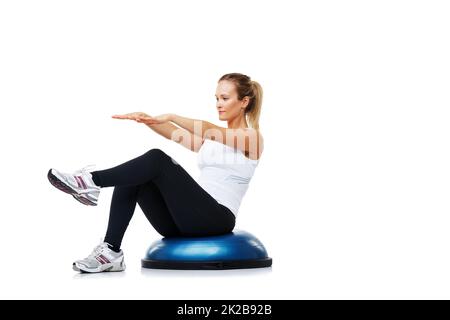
(351, 197)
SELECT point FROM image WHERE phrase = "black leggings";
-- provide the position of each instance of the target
(173, 202)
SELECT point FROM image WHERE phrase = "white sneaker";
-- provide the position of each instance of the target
(102, 259)
(79, 184)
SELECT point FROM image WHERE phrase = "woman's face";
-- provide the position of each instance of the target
(227, 103)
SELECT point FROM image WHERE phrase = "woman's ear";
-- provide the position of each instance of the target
(245, 102)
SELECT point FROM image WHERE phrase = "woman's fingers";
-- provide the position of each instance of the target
(139, 117)
(124, 116)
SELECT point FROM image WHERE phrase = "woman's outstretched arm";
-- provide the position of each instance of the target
(168, 131)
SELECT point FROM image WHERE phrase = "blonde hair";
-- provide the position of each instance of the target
(252, 89)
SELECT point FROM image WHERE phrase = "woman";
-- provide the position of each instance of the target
(173, 202)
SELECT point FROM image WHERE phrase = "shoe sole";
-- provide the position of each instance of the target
(84, 200)
(65, 188)
(109, 269)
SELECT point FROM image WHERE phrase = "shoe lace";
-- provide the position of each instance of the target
(98, 250)
(85, 169)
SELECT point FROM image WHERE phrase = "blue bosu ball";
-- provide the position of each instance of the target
(235, 250)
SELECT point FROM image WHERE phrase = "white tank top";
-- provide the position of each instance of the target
(225, 173)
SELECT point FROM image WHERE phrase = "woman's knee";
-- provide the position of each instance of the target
(156, 154)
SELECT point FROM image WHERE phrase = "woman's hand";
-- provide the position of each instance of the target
(145, 118)
(163, 118)
(130, 116)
